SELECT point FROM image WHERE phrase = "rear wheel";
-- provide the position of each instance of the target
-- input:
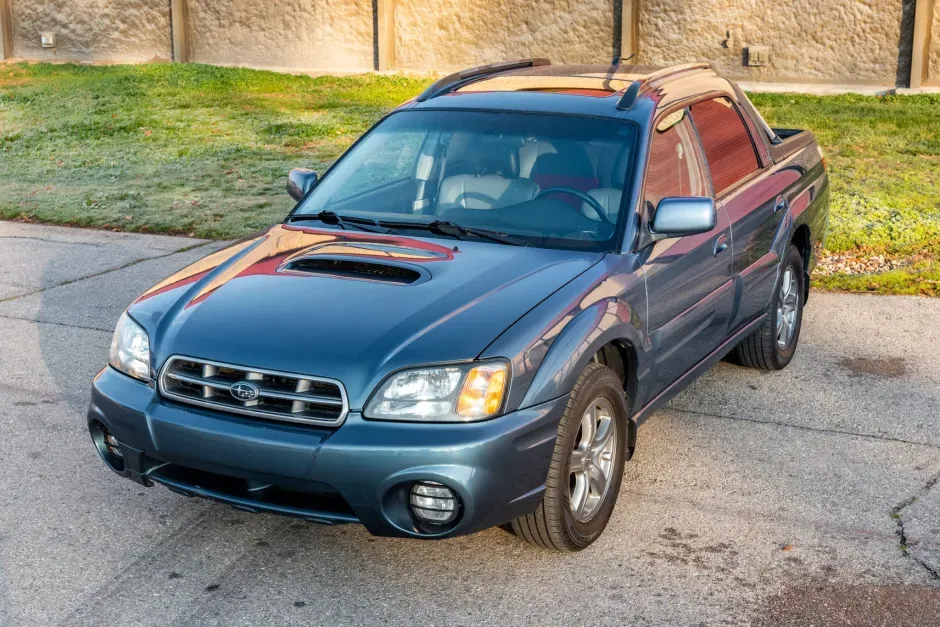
(586, 469)
(773, 345)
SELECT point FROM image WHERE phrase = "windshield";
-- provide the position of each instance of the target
(545, 180)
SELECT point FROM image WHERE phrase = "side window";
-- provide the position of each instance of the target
(674, 166)
(728, 147)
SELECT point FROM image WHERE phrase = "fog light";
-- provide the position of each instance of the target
(107, 446)
(433, 503)
(111, 443)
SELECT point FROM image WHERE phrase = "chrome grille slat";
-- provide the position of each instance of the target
(309, 398)
(287, 396)
(203, 381)
(282, 396)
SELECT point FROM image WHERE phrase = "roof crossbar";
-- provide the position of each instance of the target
(454, 81)
(630, 95)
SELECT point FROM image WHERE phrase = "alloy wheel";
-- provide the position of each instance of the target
(788, 301)
(592, 460)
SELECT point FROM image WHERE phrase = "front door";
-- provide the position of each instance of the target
(689, 279)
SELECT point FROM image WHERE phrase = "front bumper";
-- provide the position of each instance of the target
(360, 472)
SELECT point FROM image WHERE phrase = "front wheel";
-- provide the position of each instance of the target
(586, 468)
(772, 346)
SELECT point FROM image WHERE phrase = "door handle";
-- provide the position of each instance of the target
(780, 204)
(721, 244)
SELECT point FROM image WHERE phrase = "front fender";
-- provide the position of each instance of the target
(607, 320)
(551, 344)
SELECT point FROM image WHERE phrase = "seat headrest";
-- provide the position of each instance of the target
(494, 156)
(562, 158)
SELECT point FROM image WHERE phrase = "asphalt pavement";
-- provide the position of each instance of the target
(805, 497)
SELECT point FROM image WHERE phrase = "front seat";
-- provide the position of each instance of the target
(494, 185)
(559, 164)
(609, 197)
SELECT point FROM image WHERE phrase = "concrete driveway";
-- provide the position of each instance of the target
(803, 497)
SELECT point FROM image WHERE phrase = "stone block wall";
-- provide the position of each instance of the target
(92, 30)
(825, 41)
(450, 34)
(841, 41)
(294, 34)
(933, 65)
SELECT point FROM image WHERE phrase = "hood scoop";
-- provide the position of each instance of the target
(356, 268)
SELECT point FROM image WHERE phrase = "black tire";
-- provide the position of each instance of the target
(761, 349)
(552, 525)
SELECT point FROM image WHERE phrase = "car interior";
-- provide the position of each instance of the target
(549, 185)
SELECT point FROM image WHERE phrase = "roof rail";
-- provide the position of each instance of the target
(454, 81)
(630, 95)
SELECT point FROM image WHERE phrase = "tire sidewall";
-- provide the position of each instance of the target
(795, 260)
(603, 383)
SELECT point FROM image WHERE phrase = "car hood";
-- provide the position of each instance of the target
(349, 305)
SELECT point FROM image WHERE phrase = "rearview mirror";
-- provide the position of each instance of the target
(677, 217)
(299, 182)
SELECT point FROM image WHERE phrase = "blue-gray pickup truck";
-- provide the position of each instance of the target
(463, 323)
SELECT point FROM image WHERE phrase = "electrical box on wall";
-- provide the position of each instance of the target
(758, 55)
(47, 39)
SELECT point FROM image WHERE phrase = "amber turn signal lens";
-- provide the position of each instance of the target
(482, 392)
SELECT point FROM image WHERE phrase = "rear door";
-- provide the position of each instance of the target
(689, 286)
(754, 199)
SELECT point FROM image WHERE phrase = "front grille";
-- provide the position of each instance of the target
(279, 395)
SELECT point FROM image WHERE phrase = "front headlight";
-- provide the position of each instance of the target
(452, 393)
(130, 349)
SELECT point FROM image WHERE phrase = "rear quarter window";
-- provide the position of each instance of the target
(727, 144)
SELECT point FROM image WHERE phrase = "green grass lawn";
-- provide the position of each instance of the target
(204, 150)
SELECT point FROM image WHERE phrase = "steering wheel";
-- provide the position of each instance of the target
(590, 200)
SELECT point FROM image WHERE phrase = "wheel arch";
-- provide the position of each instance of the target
(608, 328)
(803, 241)
(626, 369)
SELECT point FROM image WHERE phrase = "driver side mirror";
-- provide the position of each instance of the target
(678, 217)
(300, 181)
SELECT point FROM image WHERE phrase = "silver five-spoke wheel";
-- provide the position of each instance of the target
(592, 460)
(787, 304)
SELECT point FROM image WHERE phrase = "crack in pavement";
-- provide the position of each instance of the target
(58, 324)
(896, 511)
(103, 272)
(56, 241)
(776, 423)
(162, 557)
(902, 533)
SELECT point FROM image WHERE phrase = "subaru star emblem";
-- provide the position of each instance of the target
(244, 391)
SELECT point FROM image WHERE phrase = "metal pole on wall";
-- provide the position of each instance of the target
(6, 30)
(179, 25)
(923, 21)
(629, 30)
(385, 25)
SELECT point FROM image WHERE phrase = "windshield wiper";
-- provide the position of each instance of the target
(330, 217)
(452, 229)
